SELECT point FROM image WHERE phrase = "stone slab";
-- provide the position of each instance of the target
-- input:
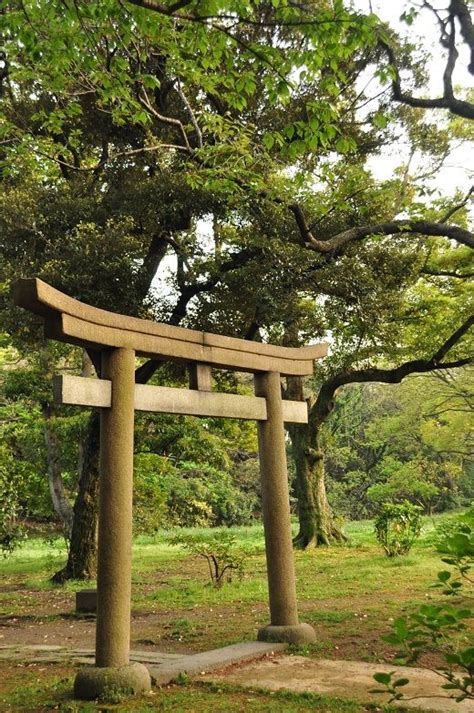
(343, 679)
(43, 647)
(209, 660)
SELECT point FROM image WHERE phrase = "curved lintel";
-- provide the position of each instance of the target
(69, 320)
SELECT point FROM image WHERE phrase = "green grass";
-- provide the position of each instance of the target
(54, 694)
(348, 593)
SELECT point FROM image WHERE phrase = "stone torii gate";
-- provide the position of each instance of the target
(118, 339)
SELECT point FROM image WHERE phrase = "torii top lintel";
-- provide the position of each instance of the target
(69, 320)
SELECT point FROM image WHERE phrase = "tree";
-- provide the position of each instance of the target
(315, 516)
(409, 441)
(134, 132)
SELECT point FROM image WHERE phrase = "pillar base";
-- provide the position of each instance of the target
(86, 601)
(295, 634)
(94, 682)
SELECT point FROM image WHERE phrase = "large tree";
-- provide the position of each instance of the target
(125, 125)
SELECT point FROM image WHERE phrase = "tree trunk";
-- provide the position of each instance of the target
(316, 522)
(82, 558)
(62, 506)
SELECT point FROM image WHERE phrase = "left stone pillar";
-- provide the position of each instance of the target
(113, 671)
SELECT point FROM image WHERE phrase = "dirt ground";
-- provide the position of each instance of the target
(196, 628)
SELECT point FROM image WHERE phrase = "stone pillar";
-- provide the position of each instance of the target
(114, 556)
(115, 537)
(276, 518)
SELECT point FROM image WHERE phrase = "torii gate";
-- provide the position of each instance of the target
(118, 338)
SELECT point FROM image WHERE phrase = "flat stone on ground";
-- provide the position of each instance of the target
(342, 679)
(209, 660)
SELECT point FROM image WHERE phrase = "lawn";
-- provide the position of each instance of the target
(349, 594)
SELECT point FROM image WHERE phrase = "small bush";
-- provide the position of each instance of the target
(441, 628)
(185, 494)
(12, 530)
(397, 527)
(219, 550)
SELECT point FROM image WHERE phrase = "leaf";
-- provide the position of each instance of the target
(401, 682)
(382, 677)
(268, 141)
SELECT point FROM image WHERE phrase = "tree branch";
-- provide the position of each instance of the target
(325, 403)
(447, 273)
(447, 101)
(458, 206)
(394, 227)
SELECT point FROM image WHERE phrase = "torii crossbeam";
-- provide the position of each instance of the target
(117, 339)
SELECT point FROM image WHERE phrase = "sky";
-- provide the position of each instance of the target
(424, 32)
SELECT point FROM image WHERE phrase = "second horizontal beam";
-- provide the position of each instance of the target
(80, 391)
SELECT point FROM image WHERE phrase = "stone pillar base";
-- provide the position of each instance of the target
(296, 634)
(86, 601)
(94, 682)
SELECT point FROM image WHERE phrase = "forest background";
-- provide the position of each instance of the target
(212, 165)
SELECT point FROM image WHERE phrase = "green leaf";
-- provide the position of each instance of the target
(401, 682)
(382, 677)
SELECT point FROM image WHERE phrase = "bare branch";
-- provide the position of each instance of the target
(394, 227)
(447, 101)
(460, 9)
(447, 273)
(324, 403)
(452, 340)
(457, 207)
(186, 103)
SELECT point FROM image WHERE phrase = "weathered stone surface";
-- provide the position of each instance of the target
(344, 679)
(276, 504)
(72, 321)
(297, 634)
(114, 560)
(82, 391)
(86, 601)
(209, 660)
(93, 682)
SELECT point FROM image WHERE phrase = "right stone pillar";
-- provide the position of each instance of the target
(284, 626)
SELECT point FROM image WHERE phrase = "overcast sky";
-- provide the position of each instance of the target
(458, 172)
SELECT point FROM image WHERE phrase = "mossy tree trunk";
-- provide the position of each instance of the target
(82, 557)
(316, 522)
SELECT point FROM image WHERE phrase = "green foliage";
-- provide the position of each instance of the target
(220, 550)
(186, 494)
(456, 544)
(12, 531)
(401, 442)
(441, 627)
(397, 527)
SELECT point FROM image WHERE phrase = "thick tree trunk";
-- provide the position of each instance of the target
(62, 506)
(81, 563)
(316, 522)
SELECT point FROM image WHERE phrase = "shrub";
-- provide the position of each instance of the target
(186, 494)
(220, 550)
(441, 627)
(397, 527)
(12, 530)
(149, 498)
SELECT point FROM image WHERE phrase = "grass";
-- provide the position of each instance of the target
(53, 693)
(348, 593)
